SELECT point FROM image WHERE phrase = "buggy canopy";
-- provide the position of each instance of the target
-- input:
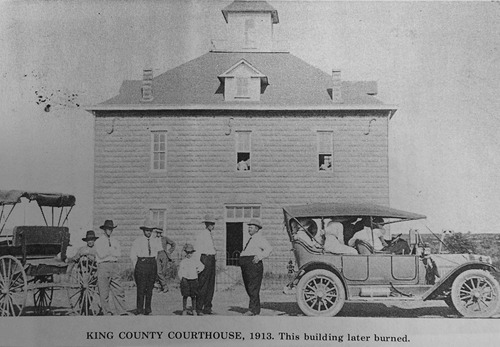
(348, 209)
(12, 197)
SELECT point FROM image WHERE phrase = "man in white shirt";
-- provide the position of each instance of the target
(205, 249)
(143, 255)
(108, 272)
(252, 269)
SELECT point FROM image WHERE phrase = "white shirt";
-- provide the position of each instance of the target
(257, 246)
(204, 243)
(140, 248)
(190, 268)
(107, 249)
(366, 235)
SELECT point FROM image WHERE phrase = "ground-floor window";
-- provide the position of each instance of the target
(236, 236)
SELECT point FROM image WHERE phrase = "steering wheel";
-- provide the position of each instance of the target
(395, 239)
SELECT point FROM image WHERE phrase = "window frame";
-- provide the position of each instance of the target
(237, 143)
(153, 151)
(321, 153)
(160, 210)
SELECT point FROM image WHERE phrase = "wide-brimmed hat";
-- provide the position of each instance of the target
(108, 224)
(208, 219)
(90, 236)
(256, 222)
(188, 248)
(149, 225)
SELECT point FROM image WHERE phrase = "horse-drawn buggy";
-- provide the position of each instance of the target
(328, 278)
(33, 258)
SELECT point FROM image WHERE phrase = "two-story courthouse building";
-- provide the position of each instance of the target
(238, 132)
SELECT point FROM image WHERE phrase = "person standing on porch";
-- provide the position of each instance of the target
(252, 269)
(108, 251)
(143, 255)
(204, 246)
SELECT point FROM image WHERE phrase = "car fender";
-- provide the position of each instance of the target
(314, 265)
(444, 284)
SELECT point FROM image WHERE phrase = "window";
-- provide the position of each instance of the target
(249, 33)
(242, 87)
(158, 150)
(243, 145)
(236, 219)
(158, 218)
(325, 150)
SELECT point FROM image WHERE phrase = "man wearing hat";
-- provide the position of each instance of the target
(143, 255)
(163, 259)
(204, 246)
(85, 251)
(252, 269)
(108, 252)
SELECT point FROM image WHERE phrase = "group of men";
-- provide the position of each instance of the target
(150, 257)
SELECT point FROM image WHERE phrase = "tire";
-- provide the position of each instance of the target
(83, 293)
(320, 293)
(13, 287)
(476, 293)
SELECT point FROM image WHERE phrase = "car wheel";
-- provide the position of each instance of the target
(320, 293)
(476, 293)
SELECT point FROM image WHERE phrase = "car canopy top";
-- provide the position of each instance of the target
(348, 209)
(12, 197)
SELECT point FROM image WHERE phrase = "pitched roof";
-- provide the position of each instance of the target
(251, 6)
(292, 82)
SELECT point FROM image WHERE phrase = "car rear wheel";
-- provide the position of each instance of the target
(320, 293)
(476, 293)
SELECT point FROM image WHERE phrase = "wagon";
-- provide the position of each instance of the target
(326, 280)
(31, 256)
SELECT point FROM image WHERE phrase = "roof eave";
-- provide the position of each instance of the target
(243, 107)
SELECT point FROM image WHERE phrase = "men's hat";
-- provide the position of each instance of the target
(90, 236)
(256, 222)
(108, 224)
(208, 219)
(149, 225)
(188, 248)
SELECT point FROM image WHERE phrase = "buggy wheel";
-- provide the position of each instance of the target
(42, 296)
(13, 286)
(83, 293)
(320, 293)
(476, 293)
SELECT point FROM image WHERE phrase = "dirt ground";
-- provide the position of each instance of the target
(234, 302)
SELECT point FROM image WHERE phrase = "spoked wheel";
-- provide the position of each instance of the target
(82, 291)
(13, 286)
(476, 293)
(320, 293)
(42, 294)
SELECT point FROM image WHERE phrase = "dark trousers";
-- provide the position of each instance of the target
(252, 278)
(145, 275)
(206, 281)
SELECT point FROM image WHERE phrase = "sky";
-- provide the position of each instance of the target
(439, 62)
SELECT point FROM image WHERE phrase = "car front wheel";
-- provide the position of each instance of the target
(476, 293)
(320, 293)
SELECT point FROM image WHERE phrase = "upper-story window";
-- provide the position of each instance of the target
(243, 146)
(325, 150)
(158, 150)
(250, 33)
(242, 87)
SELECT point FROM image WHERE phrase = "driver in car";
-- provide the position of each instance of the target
(376, 240)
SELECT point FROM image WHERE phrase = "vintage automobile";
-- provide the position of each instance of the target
(325, 280)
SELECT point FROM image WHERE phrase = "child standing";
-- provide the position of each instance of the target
(188, 273)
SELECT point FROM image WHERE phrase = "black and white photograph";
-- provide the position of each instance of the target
(246, 172)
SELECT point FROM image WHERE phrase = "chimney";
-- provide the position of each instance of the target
(336, 86)
(147, 85)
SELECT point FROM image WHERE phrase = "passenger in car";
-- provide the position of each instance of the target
(334, 233)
